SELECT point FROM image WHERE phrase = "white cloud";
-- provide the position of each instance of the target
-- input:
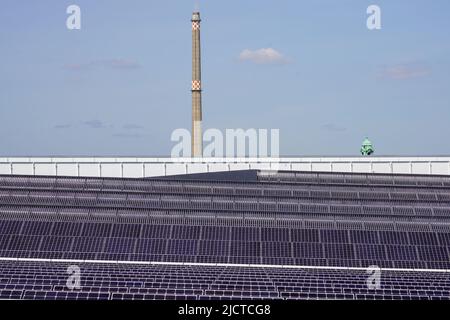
(262, 56)
(94, 124)
(405, 71)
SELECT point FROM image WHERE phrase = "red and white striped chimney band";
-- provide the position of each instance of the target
(196, 85)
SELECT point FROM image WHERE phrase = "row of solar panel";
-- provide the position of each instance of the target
(229, 259)
(352, 178)
(218, 233)
(257, 191)
(233, 252)
(434, 258)
(217, 248)
(206, 202)
(39, 295)
(44, 280)
(229, 207)
(143, 275)
(209, 187)
(224, 219)
(183, 286)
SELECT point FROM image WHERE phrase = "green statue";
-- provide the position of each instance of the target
(367, 147)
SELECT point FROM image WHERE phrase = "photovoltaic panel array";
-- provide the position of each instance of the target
(257, 217)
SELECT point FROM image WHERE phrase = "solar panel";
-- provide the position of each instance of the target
(289, 218)
(45, 280)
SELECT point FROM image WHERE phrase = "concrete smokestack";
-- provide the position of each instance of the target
(196, 134)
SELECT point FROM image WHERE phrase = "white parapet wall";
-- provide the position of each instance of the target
(135, 167)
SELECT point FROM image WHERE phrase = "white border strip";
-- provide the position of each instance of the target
(217, 264)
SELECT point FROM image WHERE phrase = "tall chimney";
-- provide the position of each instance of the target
(196, 134)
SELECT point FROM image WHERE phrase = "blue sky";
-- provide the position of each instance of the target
(121, 84)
